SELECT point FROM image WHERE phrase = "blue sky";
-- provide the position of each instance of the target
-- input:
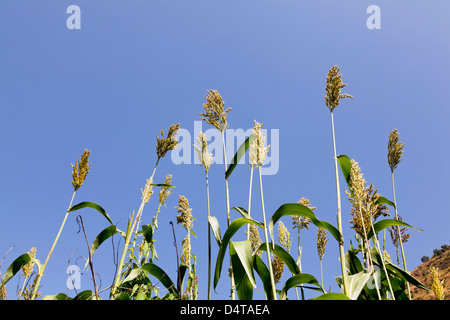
(136, 67)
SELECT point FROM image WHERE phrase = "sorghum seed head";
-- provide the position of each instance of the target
(80, 170)
(215, 114)
(333, 89)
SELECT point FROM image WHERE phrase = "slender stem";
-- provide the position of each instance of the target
(233, 295)
(299, 263)
(399, 234)
(377, 243)
(366, 250)
(41, 272)
(122, 258)
(269, 262)
(128, 235)
(339, 220)
(178, 259)
(249, 200)
(90, 259)
(321, 272)
(209, 239)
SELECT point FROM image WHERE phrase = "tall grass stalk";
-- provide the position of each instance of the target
(79, 173)
(216, 115)
(339, 218)
(395, 151)
(332, 98)
(400, 234)
(131, 230)
(233, 285)
(269, 262)
(250, 200)
(205, 159)
(209, 239)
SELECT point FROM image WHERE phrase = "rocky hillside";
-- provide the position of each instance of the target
(441, 260)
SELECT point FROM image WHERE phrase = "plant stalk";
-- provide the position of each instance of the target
(339, 219)
(399, 234)
(209, 238)
(269, 262)
(128, 237)
(233, 295)
(249, 200)
(41, 272)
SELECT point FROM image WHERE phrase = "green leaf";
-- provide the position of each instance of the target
(244, 251)
(296, 209)
(101, 237)
(180, 277)
(382, 224)
(402, 274)
(162, 185)
(346, 166)
(383, 200)
(87, 204)
(297, 280)
(283, 255)
(215, 228)
(356, 283)
(84, 295)
(15, 266)
(147, 232)
(264, 274)
(241, 260)
(394, 270)
(242, 211)
(332, 296)
(59, 296)
(240, 152)
(155, 271)
(232, 229)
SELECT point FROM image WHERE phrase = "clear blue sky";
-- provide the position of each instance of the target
(136, 67)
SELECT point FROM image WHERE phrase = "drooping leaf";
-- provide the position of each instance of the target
(243, 282)
(88, 204)
(394, 270)
(264, 274)
(102, 237)
(299, 279)
(214, 223)
(296, 209)
(283, 255)
(243, 250)
(383, 200)
(382, 224)
(14, 267)
(155, 271)
(242, 211)
(232, 229)
(238, 155)
(356, 283)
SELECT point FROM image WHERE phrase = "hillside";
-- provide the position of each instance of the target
(441, 260)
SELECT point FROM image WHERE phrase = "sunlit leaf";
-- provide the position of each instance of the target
(238, 155)
(87, 204)
(15, 266)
